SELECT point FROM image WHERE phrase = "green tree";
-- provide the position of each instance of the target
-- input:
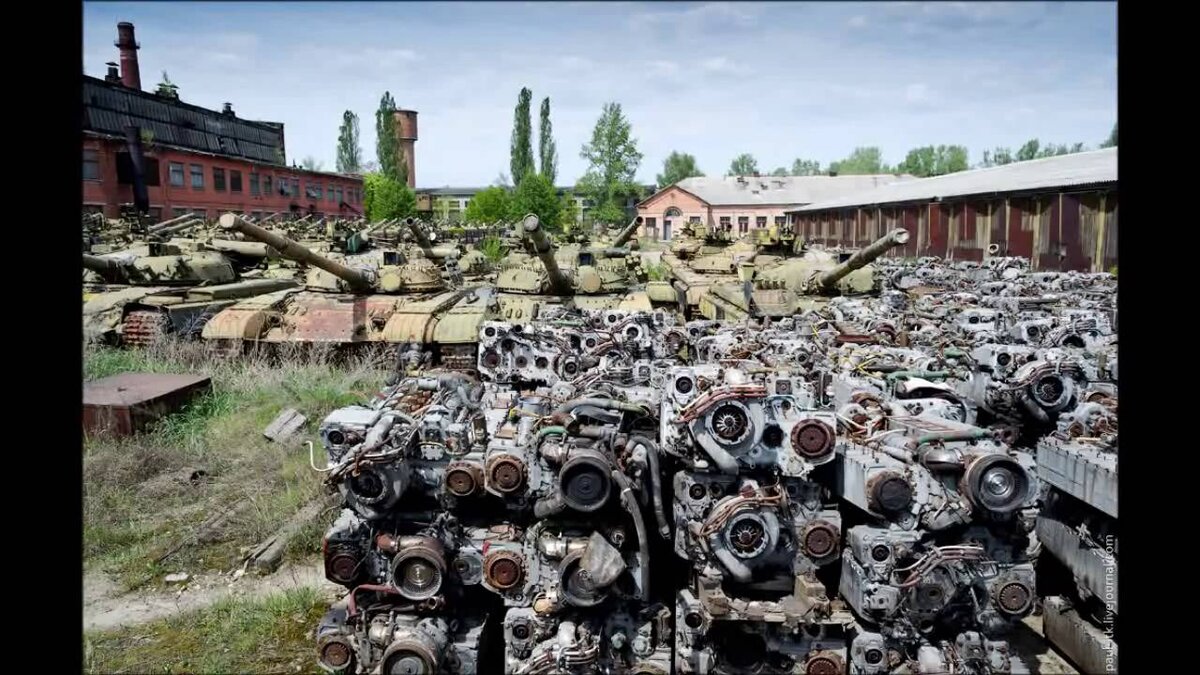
(781, 172)
(392, 162)
(490, 205)
(547, 150)
(1112, 138)
(996, 157)
(441, 207)
(863, 161)
(934, 161)
(167, 88)
(521, 151)
(743, 165)
(806, 167)
(385, 197)
(349, 153)
(312, 163)
(613, 161)
(535, 194)
(676, 167)
(1029, 150)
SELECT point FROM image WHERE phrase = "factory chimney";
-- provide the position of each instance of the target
(130, 76)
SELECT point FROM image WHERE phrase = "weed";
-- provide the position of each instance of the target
(493, 248)
(265, 635)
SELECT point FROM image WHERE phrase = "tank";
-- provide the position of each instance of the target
(390, 299)
(707, 255)
(136, 297)
(791, 285)
(585, 277)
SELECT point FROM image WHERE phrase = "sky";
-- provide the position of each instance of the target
(777, 80)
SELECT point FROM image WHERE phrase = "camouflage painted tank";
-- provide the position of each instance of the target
(137, 296)
(793, 285)
(392, 299)
(585, 277)
(707, 255)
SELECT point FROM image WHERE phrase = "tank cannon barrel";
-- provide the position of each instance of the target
(627, 233)
(560, 284)
(178, 227)
(357, 279)
(419, 236)
(108, 268)
(863, 257)
(174, 221)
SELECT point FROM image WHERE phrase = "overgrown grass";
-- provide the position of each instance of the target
(656, 272)
(265, 635)
(145, 495)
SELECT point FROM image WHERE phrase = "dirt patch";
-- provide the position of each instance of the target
(105, 608)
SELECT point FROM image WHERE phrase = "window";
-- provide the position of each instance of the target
(651, 223)
(177, 212)
(155, 214)
(341, 197)
(218, 179)
(197, 177)
(125, 170)
(295, 187)
(266, 189)
(235, 180)
(253, 184)
(285, 188)
(780, 220)
(176, 170)
(695, 220)
(743, 224)
(761, 221)
(725, 223)
(330, 192)
(91, 165)
(313, 190)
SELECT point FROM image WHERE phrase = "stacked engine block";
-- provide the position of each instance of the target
(884, 485)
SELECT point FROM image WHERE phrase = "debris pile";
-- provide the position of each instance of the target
(853, 488)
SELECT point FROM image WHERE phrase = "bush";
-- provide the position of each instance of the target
(493, 248)
(537, 195)
(385, 198)
(490, 205)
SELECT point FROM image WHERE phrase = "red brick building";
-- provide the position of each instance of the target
(194, 159)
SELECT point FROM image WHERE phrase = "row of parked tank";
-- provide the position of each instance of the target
(891, 483)
(350, 283)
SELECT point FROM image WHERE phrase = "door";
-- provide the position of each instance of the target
(666, 229)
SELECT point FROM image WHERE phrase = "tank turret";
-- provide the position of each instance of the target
(828, 280)
(356, 279)
(560, 283)
(109, 269)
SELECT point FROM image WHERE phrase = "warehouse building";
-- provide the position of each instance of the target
(743, 201)
(1059, 212)
(192, 159)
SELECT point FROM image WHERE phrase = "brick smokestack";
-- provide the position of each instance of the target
(406, 132)
(130, 75)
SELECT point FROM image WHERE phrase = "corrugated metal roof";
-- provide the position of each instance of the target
(1081, 168)
(778, 190)
(109, 108)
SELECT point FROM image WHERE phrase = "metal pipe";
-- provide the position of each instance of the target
(643, 554)
(955, 435)
(655, 486)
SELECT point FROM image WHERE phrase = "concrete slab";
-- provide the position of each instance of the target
(122, 405)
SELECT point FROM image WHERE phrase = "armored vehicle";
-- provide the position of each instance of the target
(584, 277)
(399, 299)
(134, 298)
(794, 285)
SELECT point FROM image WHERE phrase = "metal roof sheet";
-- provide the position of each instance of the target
(1081, 168)
(109, 108)
(779, 190)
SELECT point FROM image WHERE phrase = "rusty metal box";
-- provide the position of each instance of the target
(122, 405)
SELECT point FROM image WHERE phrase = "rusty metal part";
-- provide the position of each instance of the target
(419, 567)
(824, 663)
(463, 478)
(342, 565)
(889, 492)
(143, 327)
(813, 439)
(409, 656)
(715, 396)
(335, 651)
(1014, 597)
(503, 569)
(818, 539)
(506, 473)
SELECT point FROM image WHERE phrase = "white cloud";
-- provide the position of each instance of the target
(857, 21)
(721, 66)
